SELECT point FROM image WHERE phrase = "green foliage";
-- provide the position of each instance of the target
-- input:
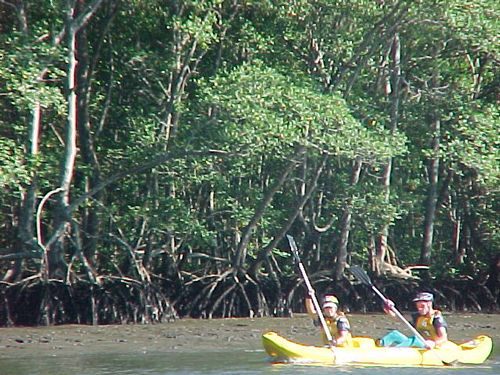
(475, 143)
(13, 172)
(23, 60)
(476, 23)
(261, 110)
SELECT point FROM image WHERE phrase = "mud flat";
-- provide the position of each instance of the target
(188, 335)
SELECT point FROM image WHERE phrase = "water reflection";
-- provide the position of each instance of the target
(240, 362)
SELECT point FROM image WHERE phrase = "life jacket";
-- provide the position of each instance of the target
(333, 325)
(426, 325)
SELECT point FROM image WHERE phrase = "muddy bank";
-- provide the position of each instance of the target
(188, 335)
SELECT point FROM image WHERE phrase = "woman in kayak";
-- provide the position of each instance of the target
(428, 321)
(336, 321)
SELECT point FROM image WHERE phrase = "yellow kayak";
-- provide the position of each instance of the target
(364, 351)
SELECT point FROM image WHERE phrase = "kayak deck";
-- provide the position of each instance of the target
(474, 351)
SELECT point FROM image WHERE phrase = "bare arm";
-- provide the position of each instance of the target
(310, 308)
(341, 337)
(442, 337)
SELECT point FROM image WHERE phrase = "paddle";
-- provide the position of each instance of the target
(365, 279)
(310, 289)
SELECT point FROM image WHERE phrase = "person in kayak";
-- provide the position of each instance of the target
(336, 321)
(428, 321)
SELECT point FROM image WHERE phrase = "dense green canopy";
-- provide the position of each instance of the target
(155, 153)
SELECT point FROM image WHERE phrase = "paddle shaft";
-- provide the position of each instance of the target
(310, 289)
(400, 316)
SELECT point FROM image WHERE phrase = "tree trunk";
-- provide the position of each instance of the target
(346, 225)
(394, 112)
(25, 234)
(241, 251)
(431, 201)
(74, 22)
(90, 220)
(307, 192)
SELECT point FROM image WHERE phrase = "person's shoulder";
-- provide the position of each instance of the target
(439, 319)
(438, 313)
(342, 316)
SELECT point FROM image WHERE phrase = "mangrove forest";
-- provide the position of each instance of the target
(155, 154)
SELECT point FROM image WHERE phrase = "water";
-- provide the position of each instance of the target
(240, 362)
(223, 346)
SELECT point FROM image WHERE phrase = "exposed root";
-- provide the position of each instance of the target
(115, 300)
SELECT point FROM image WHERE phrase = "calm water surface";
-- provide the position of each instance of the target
(249, 363)
(200, 347)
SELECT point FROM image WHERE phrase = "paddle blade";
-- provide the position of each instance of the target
(293, 247)
(360, 275)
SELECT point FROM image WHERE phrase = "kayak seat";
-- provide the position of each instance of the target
(363, 342)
